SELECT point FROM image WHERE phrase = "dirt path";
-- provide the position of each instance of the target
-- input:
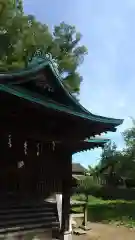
(107, 232)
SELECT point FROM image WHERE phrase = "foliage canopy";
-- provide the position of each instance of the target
(21, 35)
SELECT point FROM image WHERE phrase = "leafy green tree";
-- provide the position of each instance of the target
(21, 36)
(88, 186)
(120, 164)
(108, 154)
(117, 167)
(110, 166)
(129, 151)
(93, 171)
(129, 137)
(70, 55)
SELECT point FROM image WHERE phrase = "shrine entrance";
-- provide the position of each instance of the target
(37, 111)
(28, 169)
(13, 178)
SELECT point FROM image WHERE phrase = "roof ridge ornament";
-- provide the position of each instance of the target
(39, 57)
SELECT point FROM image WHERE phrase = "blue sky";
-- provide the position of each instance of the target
(108, 29)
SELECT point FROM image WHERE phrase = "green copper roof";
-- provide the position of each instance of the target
(90, 141)
(23, 93)
(12, 83)
(97, 140)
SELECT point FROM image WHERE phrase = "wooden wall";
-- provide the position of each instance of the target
(28, 168)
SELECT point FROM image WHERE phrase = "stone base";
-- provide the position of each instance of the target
(31, 236)
(85, 228)
(79, 231)
(67, 236)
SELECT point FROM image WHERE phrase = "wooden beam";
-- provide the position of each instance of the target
(37, 133)
(66, 192)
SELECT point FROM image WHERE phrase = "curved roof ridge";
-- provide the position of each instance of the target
(41, 63)
(83, 108)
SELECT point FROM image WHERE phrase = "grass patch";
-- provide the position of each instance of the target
(118, 212)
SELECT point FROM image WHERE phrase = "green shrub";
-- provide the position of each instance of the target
(120, 212)
(88, 186)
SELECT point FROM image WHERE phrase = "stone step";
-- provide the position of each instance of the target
(17, 205)
(16, 222)
(28, 217)
(25, 210)
(26, 228)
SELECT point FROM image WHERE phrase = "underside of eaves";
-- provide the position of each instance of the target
(41, 83)
(79, 146)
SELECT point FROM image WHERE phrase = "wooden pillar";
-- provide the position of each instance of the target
(66, 192)
(85, 210)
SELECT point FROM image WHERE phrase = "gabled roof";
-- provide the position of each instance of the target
(77, 168)
(41, 83)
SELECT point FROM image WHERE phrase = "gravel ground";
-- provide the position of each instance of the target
(107, 232)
